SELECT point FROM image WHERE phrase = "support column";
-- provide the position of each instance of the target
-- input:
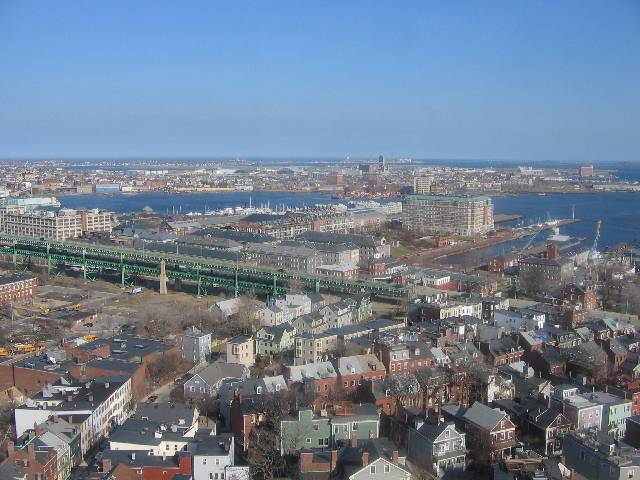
(163, 278)
(15, 256)
(122, 272)
(48, 260)
(84, 264)
(275, 285)
(199, 280)
(236, 286)
(317, 286)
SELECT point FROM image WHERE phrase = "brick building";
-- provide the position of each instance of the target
(17, 287)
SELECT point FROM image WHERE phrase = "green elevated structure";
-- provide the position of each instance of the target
(205, 273)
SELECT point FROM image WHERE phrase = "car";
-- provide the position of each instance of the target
(152, 398)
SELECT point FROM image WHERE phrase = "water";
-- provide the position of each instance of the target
(192, 202)
(619, 212)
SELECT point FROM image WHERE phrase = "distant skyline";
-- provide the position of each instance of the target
(498, 80)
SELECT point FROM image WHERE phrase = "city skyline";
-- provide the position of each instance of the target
(539, 82)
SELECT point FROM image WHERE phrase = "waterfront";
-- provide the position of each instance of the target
(618, 211)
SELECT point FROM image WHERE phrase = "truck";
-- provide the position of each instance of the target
(135, 290)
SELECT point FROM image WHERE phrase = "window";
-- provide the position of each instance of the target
(387, 468)
(316, 426)
(372, 469)
(308, 440)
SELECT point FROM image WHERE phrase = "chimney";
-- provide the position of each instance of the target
(55, 418)
(31, 451)
(106, 465)
(70, 418)
(91, 397)
(133, 455)
(334, 459)
(365, 458)
(11, 449)
(394, 457)
(226, 447)
(69, 398)
(354, 440)
(306, 460)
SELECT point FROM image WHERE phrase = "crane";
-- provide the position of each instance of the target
(594, 255)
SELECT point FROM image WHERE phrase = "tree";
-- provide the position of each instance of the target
(533, 283)
(265, 460)
(166, 367)
(247, 309)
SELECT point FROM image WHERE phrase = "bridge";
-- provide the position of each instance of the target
(93, 259)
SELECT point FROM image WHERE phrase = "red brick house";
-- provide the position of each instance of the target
(501, 263)
(126, 464)
(35, 462)
(400, 358)
(583, 296)
(354, 369)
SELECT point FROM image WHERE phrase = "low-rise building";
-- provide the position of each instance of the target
(314, 348)
(241, 349)
(308, 431)
(272, 340)
(17, 287)
(196, 346)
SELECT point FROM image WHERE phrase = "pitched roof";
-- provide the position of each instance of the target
(483, 416)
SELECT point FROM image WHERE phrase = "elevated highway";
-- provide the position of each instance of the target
(206, 273)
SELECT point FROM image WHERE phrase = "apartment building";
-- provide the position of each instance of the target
(17, 287)
(60, 225)
(284, 257)
(103, 403)
(449, 214)
(422, 184)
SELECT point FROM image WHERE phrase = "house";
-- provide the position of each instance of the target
(240, 349)
(584, 296)
(436, 446)
(175, 416)
(544, 425)
(372, 459)
(273, 340)
(615, 411)
(313, 348)
(196, 346)
(354, 369)
(246, 389)
(406, 357)
(501, 351)
(105, 401)
(581, 412)
(320, 378)
(272, 315)
(305, 430)
(518, 319)
(207, 382)
(123, 464)
(214, 458)
(33, 459)
(491, 435)
(503, 263)
(595, 456)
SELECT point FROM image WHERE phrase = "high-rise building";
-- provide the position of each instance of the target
(586, 171)
(382, 163)
(421, 185)
(466, 215)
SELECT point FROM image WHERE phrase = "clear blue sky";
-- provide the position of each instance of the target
(525, 80)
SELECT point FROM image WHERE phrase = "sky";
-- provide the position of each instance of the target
(534, 80)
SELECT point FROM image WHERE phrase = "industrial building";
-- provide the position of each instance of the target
(60, 225)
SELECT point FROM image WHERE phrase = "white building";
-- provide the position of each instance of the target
(105, 400)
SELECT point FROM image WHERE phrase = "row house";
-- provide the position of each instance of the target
(354, 369)
(401, 358)
(306, 430)
(491, 435)
(545, 425)
(103, 404)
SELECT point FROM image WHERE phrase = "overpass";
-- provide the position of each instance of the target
(206, 273)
